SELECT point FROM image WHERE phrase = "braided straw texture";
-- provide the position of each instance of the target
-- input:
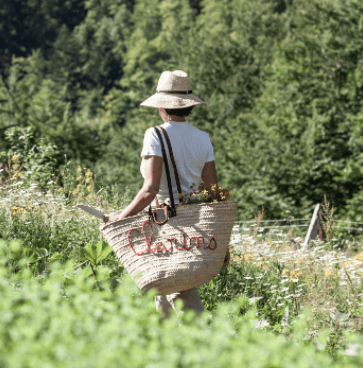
(176, 80)
(174, 270)
(175, 101)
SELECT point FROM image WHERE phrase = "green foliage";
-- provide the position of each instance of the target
(69, 324)
(305, 146)
(282, 81)
(96, 253)
(27, 25)
(65, 293)
(35, 164)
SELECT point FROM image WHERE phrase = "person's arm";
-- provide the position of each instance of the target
(153, 168)
(209, 174)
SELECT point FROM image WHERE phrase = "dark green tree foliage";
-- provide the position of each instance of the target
(282, 81)
(27, 25)
(26, 100)
(88, 61)
(308, 117)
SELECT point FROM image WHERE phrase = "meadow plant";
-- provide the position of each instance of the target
(271, 283)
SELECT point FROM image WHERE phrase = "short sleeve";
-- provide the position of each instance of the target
(210, 150)
(151, 145)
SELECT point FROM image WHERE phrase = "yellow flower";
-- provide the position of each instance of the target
(88, 180)
(295, 275)
(79, 170)
(358, 257)
(79, 178)
(16, 166)
(15, 159)
(89, 174)
(328, 273)
(285, 272)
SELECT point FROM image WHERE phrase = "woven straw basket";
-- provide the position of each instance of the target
(153, 261)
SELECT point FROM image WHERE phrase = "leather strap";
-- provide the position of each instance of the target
(170, 211)
(165, 158)
(155, 218)
(172, 159)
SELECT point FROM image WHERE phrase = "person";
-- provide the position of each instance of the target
(194, 157)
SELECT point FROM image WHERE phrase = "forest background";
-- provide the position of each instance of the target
(283, 81)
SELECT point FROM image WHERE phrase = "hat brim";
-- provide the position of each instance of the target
(172, 101)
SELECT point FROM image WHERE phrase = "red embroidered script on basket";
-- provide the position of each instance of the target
(163, 248)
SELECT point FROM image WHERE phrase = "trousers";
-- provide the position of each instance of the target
(190, 298)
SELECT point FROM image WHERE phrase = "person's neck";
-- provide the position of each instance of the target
(177, 118)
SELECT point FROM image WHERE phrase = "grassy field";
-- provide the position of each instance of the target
(307, 298)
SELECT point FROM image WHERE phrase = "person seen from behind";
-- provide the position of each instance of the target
(194, 158)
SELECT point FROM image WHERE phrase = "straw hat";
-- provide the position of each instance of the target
(174, 91)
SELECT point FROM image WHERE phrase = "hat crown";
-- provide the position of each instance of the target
(176, 80)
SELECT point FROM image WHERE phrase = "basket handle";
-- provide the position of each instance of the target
(172, 160)
(170, 211)
(155, 218)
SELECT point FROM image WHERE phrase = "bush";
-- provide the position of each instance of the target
(52, 325)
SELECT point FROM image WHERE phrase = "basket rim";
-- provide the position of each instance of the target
(141, 213)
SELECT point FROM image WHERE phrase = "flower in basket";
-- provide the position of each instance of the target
(205, 195)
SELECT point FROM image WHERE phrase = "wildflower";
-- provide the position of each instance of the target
(89, 174)
(79, 178)
(88, 180)
(15, 159)
(285, 272)
(79, 170)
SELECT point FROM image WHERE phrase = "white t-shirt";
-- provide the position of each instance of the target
(192, 148)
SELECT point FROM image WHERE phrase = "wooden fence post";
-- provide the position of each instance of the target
(313, 228)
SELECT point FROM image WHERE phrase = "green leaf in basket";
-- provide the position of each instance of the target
(96, 253)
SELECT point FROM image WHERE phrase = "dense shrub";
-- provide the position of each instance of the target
(68, 324)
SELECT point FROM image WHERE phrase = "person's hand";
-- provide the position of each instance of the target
(226, 260)
(114, 216)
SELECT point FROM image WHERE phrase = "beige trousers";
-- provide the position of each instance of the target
(190, 298)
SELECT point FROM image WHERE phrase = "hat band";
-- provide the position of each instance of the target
(177, 92)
